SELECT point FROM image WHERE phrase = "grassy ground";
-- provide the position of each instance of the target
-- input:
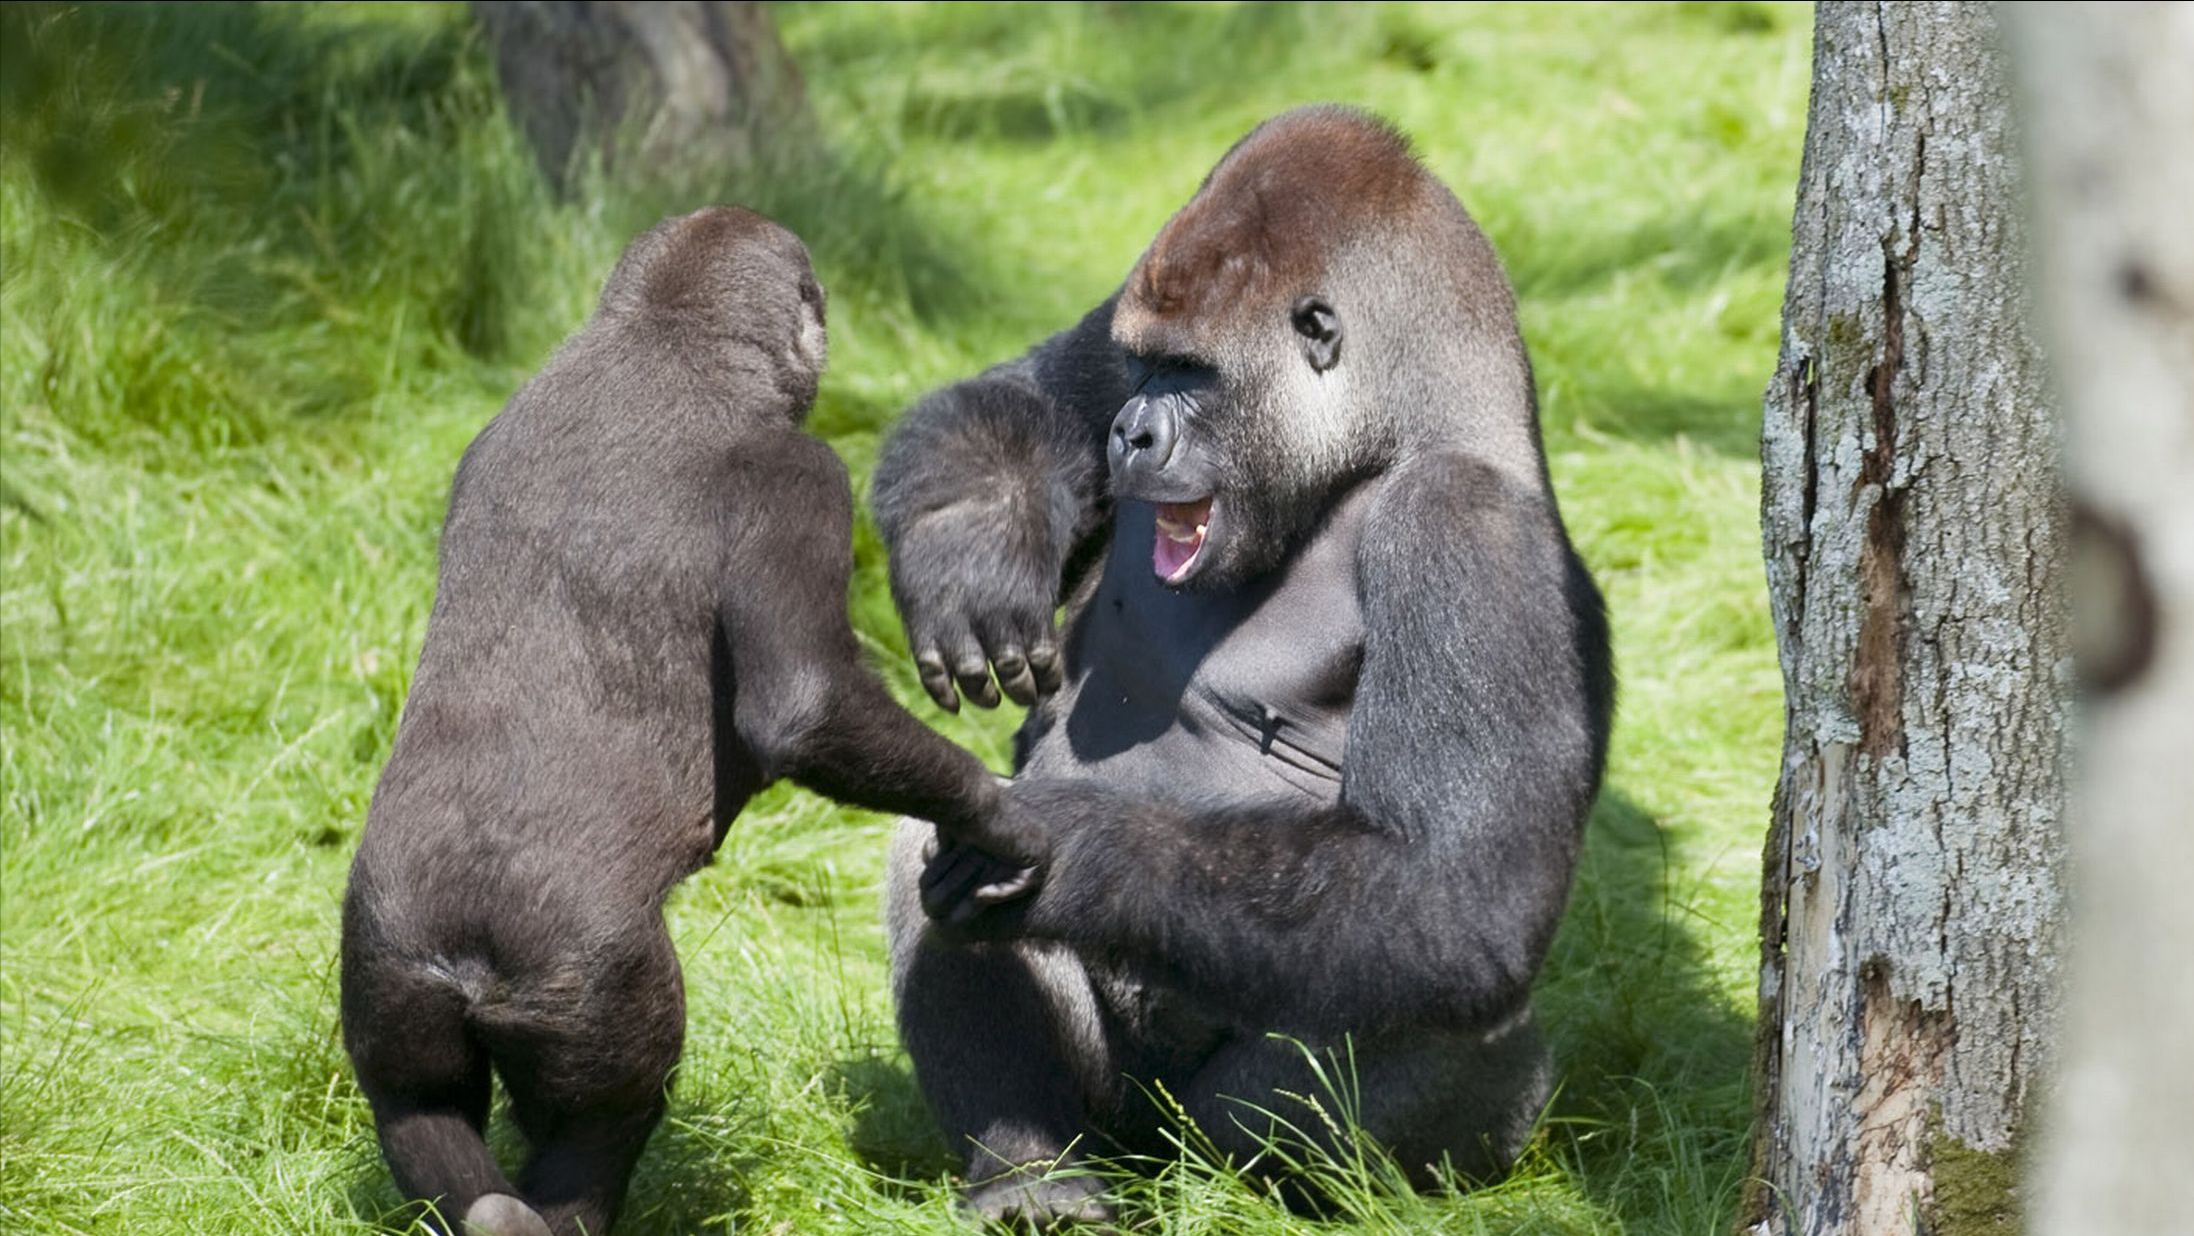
(267, 269)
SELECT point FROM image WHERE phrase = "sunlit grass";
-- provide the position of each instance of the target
(265, 269)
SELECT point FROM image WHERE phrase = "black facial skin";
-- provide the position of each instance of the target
(641, 622)
(1190, 431)
(1155, 451)
(1329, 785)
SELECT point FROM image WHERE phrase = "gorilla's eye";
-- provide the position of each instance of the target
(1143, 367)
(1320, 328)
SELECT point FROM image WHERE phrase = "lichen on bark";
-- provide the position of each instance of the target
(1976, 1191)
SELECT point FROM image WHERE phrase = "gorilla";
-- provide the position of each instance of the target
(641, 622)
(1311, 768)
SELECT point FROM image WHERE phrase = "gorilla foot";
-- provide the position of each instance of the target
(500, 1214)
(1027, 1199)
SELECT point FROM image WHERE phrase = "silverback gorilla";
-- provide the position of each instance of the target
(1314, 760)
(641, 621)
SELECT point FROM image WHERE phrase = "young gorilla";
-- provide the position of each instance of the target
(1316, 756)
(641, 622)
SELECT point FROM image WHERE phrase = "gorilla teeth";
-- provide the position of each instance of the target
(1179, 542)
(1184, 521)
(1180, 532)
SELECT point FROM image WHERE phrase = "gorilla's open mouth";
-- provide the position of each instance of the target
(1182, 527)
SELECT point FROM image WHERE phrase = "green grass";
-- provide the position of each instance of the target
(265, 270)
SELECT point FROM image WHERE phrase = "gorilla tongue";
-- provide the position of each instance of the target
(1180, 537)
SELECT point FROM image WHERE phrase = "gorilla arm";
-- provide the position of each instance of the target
(983, 494)
(804, 705)
(1431, 892)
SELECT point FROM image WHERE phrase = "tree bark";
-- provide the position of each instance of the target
(2111, 109)
(1911, 514)
(700, 83)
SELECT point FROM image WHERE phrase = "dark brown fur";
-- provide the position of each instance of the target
(1265, 223)
(641, 621)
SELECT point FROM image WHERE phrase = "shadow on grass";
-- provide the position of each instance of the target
(1726, 426)
(1653, 1058)
(127, 111)
(1682, 257)
(893, 1133)
(692, 1177)
(351, 178)
(1683, 252)
(1141, 58)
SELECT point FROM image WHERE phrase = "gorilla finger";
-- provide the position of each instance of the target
(951, 858)
(936, 679)
(1014, 676)
(1017, 884)
(970, 667)
(943, 899)
(1045, 666)
(944, 906)
(973, 674)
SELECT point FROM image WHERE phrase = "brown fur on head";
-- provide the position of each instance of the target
(725, 285)
(1263, 226)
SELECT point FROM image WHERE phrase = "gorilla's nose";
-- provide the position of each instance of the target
(1143, 435)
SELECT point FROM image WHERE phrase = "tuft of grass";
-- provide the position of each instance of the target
(265, 269)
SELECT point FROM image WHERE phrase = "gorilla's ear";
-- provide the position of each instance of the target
(1320, 328)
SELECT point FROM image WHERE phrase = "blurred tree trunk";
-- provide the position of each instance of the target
(1911, 514)
(2112, 131)
(702, 83)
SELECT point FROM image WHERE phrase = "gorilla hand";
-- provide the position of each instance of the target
(1003, 829)
(974, 891)
(976, 597)
(980, 545)
(972, 873)
(972, 895)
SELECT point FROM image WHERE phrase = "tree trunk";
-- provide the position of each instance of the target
(702, 83)
(2112, 131)
(1910, 908)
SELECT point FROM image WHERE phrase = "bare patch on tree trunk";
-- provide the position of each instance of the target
(1902, 1048)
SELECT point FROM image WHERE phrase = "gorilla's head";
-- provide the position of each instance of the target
(1322, 305)
(728, 286)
